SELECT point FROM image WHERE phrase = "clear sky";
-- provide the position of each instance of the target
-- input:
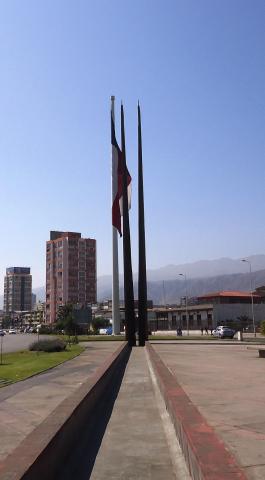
(197, 67)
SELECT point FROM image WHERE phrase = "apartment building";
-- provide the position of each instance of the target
(17, 289)
(70, 271)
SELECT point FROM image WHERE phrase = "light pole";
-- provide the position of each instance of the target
(187, 319)
(38, 333)
(251, 293)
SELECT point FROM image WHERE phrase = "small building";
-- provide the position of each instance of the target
(233, 308)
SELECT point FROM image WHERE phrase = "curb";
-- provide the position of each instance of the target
(41, 453)
(205, 453)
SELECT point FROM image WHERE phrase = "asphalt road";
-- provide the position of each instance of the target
(19, 341)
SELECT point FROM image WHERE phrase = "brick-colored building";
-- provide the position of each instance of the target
(71, 275)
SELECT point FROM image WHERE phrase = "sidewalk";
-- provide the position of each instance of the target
(24, 405)
(226, 385)
(135, 444)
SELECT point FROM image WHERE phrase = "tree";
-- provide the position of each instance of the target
(6, 322)
(100, 322)
(66, 320)
(244, 321)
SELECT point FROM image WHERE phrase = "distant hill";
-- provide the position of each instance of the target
(207, 268)
(203, 277)
(173, 290)
(40, 292)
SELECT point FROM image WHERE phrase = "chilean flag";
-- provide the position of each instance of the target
(117, 181)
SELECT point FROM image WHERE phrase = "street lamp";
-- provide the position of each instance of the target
(251, 293)
(187, 319)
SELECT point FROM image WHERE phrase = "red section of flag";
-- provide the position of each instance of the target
(117, 180)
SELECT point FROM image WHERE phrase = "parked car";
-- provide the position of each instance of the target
(105, 331)
(2, 333)
(12, 331)
(224, 332)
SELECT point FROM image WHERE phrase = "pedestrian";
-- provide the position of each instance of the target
(202, 330)
(206, 330)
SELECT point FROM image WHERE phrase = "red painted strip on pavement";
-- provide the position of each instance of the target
(206, 455)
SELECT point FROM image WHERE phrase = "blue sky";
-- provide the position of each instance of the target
(197, 67)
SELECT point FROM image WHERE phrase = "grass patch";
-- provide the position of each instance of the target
(121, 338)
(20, 365)
(96, 338)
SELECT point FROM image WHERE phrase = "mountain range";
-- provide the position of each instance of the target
(166, 286)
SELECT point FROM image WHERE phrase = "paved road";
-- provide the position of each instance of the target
(20, 341)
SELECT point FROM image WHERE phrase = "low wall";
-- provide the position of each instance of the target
(44, 451)
(206, 455)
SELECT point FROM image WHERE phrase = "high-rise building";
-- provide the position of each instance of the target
(17, 289)
(70, 271)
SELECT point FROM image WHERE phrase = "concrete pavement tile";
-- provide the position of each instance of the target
(17, 416)
(246, 445)
(256, 472)
(161, 472)
(40, 399)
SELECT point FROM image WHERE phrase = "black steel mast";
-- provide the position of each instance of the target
(142, 286)
(127, 260)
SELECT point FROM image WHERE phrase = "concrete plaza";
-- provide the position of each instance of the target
(225, 382)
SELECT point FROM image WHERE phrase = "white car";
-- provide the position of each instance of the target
(12, 331)
(103, 331)
(223, 332)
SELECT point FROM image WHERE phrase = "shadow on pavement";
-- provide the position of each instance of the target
(80, 462)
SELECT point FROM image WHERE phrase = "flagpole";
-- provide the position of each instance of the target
(115, 257)
(142, 284)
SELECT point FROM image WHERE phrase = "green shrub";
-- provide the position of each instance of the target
(54, 345)
(45, 329)
(262, 327)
